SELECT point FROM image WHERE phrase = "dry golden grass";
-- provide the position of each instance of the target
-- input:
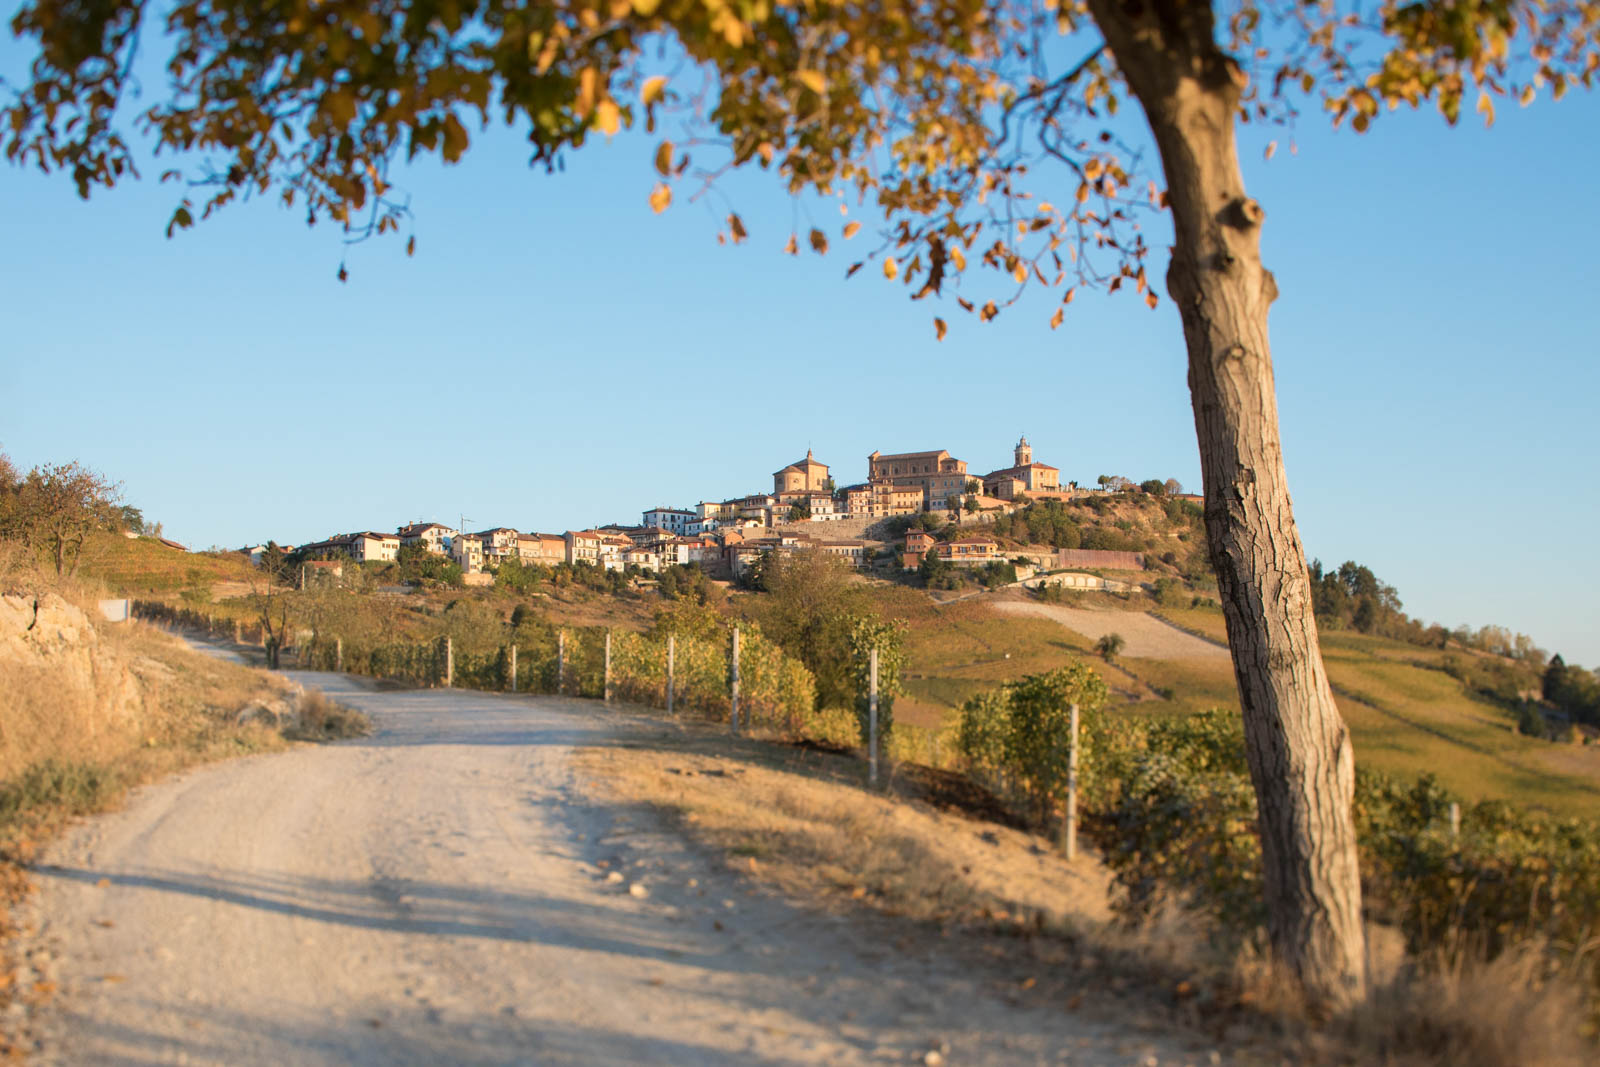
(794, 819)
(802, 821)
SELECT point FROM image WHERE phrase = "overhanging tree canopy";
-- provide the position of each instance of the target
(984, 140)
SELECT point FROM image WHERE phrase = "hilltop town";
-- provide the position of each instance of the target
(806, 509)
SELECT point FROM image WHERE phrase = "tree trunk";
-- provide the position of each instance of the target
(1297, 745)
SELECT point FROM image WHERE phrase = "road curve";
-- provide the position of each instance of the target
(442, 893)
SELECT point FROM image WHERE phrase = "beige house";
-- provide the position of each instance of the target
(583, 546)
(805, 476)
(370, 547)
(882, 498)
(541, 548)
(849, 549)
(612, 549)
(468, 554)
(435, 536)
(969, 551)
(498, 544)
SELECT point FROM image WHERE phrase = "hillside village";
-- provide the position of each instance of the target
(806, 509)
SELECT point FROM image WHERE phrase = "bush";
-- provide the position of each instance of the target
(1017, 737)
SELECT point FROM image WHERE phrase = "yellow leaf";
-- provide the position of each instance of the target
(645, 8)
(891, 269)
(587, 79)
(940, 329)
(608, 118)
(664, 158)
(1021, 273)
(1150, 298)
(1055, 320)
(850, 229)
(660, 197)
(813, 80)
(1272, 147)
(819, 242)
(736, 227)
(1486, 106)
(654, 88)
(957, 258)
(793, 247)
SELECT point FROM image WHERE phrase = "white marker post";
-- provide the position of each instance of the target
(872, 718)
(1070, 829)
(733, 682)
(513, 668)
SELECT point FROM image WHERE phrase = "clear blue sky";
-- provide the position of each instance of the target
(556, 356)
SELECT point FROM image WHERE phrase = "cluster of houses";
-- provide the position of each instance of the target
(729, 535)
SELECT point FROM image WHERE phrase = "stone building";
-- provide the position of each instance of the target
(1023, 476)
(938, 475)
(805, 475)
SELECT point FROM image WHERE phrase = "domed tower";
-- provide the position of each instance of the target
(1024, 452)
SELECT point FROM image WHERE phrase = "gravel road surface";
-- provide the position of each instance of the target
(446, 892)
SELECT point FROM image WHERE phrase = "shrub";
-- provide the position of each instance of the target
(1018, 736)
(889, 639)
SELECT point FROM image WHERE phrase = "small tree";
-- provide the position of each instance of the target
(55, 508)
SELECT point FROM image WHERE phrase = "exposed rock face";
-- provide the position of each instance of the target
(64, 691)
(34, 628)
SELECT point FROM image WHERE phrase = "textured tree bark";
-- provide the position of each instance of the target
(1298, 747)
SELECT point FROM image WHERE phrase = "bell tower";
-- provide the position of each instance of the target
(1024, 452)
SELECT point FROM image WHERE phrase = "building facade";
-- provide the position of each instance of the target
(805, 476)
(938, 475)
(436, 537)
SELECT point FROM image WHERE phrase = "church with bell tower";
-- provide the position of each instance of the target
(1024, 476)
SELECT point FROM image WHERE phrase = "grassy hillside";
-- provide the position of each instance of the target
(1407, 713)
(141, 566)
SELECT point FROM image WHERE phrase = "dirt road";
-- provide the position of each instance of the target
(445, 892)
(1145, 636)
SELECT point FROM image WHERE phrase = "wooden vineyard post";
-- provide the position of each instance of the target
(872, 719)
(671, 657)
(605, 690)
(449, 663)
(338, 653)
(561, 662)
(513, 668)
